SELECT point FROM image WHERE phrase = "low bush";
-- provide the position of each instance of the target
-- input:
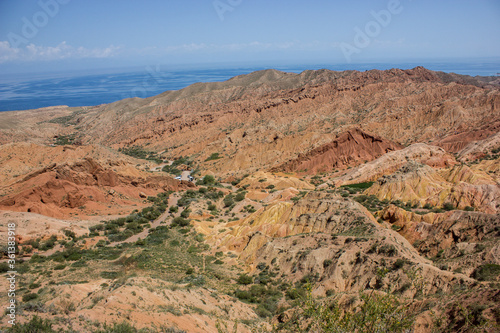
(29, 297)
(214, 156)
(244, 279)
(36, 324)
(180, 221)
(240, 196)
(228, 200)
(448, 206)
(487, 272)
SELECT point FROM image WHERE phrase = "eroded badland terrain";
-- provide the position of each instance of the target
(322, 202)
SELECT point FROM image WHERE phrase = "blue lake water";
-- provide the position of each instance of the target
(22, 92)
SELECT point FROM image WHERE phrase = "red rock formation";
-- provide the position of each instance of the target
(348, 149)
(59, 190)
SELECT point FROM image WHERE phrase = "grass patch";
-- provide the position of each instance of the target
(359, 186)
(212, 157)
(141, 153)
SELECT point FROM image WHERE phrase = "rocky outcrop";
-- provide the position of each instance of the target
(348, 149)
(80, 185)
(387, 164)
(478, 148)
(421, 185)
(265, 180)
(466, 239)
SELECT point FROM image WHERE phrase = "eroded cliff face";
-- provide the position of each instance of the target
(466, 239)
(388, 163)
(422, 185)
(65, 181)
(349, 149)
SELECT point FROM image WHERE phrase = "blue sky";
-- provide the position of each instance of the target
(46, 35)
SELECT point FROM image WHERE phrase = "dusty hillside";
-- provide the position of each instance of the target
(311, 191)
(75, 181)
(392, 161)
(421, 185)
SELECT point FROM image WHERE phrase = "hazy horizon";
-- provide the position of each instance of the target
(107, 85)
(63, 35)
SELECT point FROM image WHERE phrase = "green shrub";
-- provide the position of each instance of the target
(35, 325)
(63, 140)
(396, 227)
(140, 242)
(448, 206)
(70, 234)
(36, 258)
(359, 186)
(243, 294)
(295, 293)
(185, 213)
(377, 313)
(398, 264)
(122, 327)
(214, 156)
(244, 279)
(228, 200)
(389, 250)
(81, 263)
(49, 244)
(240, 196)
(180, 221)
(4, 267)
(208, 180)
(262, 312)
(29, 297)
(141, 153)
(487, 272)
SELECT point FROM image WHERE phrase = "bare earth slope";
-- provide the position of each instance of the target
(82, 181)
